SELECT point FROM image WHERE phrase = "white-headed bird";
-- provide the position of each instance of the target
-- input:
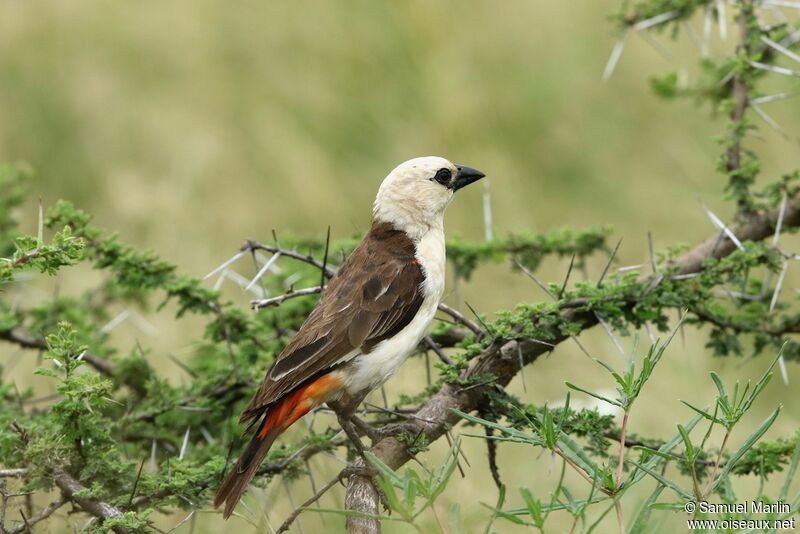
(370, 317)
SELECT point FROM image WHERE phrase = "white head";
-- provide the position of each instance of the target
(415, 194)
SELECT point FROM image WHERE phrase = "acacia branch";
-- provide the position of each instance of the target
(501, 360)
(71, 488)
(27, 341)
(43, 514)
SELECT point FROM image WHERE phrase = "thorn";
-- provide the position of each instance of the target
(649, 332)
(652, 253)
(772, 123)
(143, 325)
(536, 280)
(40, 229)
(663, 52)
(772, 98)
(485, 327)
(255, 266)
(610, 334)
(616, 52)
(226, 263)
(325, 259)
(707, 23)
(521, 368)
(136, 483)
(716, 221)
(580, 345)
(263, 270)
(487, 211)
(686, 276)
(778, 285)
(610, 259)
(182, 365)
(654, 21)
(113, 323)
(775, 68)
(693, 35)
(153, 462)
(722, 20)
(780, 48)
(185, 443)
(566, 278)
(784, 372)
(779, 223)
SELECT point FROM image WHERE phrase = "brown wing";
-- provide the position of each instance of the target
(375, 294)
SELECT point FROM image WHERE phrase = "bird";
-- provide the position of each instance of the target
(370, 317)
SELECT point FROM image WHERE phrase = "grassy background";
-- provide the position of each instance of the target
(190, 126)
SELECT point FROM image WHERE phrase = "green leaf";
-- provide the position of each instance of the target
(664, 481)
(748, 444)
(640, 521)
(595, 395)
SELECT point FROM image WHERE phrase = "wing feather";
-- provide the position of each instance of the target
(375, 294)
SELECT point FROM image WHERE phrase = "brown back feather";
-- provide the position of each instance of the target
(375, 294)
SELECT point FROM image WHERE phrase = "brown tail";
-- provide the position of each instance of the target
(237, 479)
(277, 418)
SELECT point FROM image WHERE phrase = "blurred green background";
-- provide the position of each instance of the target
(190, 126)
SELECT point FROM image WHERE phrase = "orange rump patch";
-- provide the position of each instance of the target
(300, 402)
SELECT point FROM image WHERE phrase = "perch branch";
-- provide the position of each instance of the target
(500, 360)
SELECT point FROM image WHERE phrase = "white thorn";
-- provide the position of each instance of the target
(780, 48)
(487, 211)
(185, 444)
(716, 221)
(142, 324)
(40, 229)
(774, 68)
(226, 264)
(773, 98)
(613, 59)
(653, 21)
(113, 323)
(263, 270)
(778, 285)
(722, 20)
(772, 123)
(220, 280)
(779, 224)
(782, 3)
(153, 463)
(707, 24)
(784, 372)
(610, 334)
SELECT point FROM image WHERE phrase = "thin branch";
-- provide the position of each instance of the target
(43, 514)
(314, 498)
(74, 491)
(460, 319)
(280, 299)
(29, 342)
(500, 359)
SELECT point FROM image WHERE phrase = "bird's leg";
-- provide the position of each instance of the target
(367, 470)
(350, 429)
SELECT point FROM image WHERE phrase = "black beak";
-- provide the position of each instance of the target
(465, 176)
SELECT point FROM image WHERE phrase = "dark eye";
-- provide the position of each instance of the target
(442, 176)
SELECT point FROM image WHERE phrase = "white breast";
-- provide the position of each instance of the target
(370, 370)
